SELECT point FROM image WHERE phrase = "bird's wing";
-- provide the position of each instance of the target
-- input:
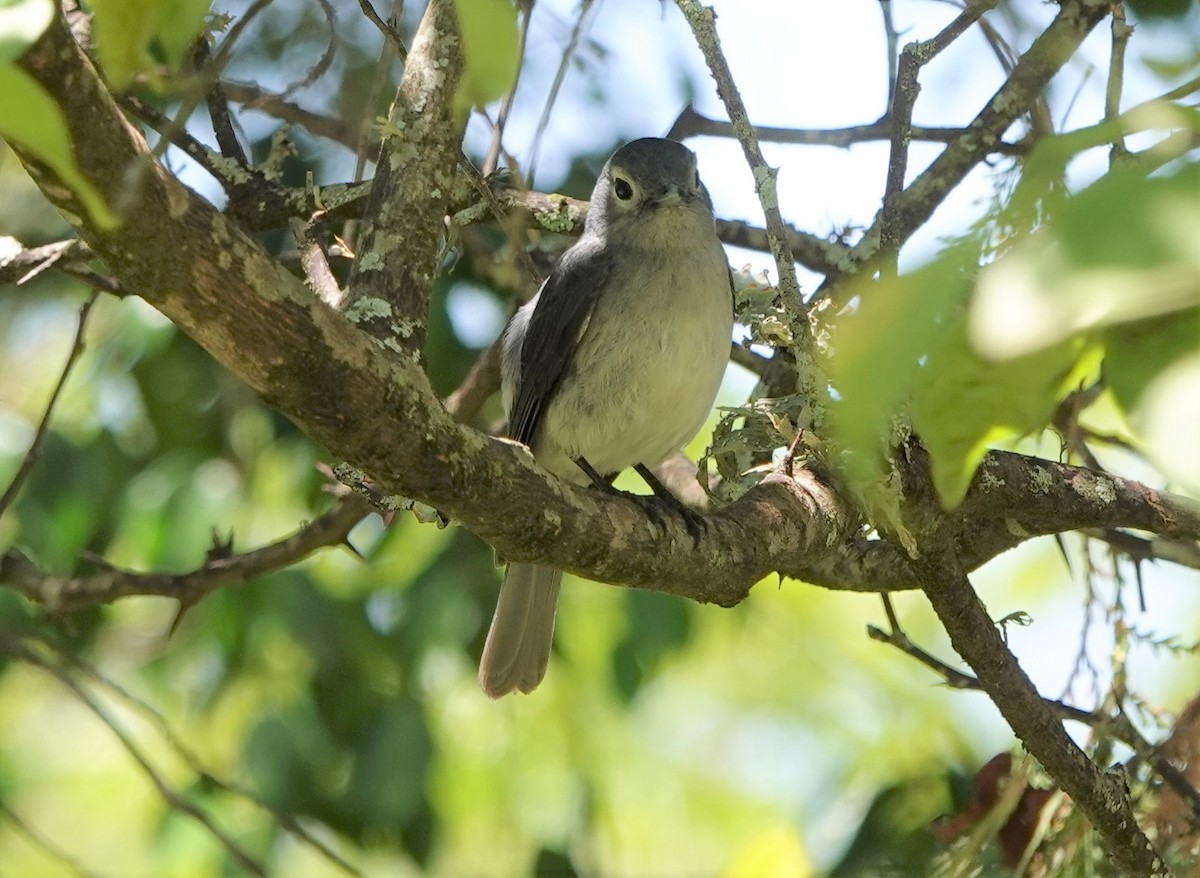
(559, 319)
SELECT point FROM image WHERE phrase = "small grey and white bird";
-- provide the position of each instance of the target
(614, 363)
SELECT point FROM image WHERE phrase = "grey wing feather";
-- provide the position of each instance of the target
(564, 304)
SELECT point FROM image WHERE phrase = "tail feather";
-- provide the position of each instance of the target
(518, 644)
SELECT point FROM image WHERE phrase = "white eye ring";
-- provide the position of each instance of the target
(622, 188)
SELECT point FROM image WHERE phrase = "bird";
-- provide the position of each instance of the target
(615, 363)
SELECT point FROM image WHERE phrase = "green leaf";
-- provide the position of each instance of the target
(179, 22)
(21, 23)
(31, 118)
(1124, 249)
(1136, 353)
(879, 351)
(126, 30)
(1161, 8)
(123, 30)
(968, 404)
(491, 51)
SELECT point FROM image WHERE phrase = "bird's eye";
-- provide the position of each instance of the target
(623, 189)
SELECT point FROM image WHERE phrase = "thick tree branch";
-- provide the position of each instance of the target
(1100, 794)
(379, 413)
(414, 177)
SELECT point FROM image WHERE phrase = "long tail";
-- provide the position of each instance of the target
(518, 643)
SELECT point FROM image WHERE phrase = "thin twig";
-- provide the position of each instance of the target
(581, 22)
(251, 97)
(691, 123)
(913, 57)
(893, 41)
(189, 757)
(218, 109)
(1117, 725)
(702, 21)
(173, 798)
(40, 841)
(62, 594)
(390, 33)
(315, 264)
(43, 427)
(1121, 32)
(481, 382)
(496, 147)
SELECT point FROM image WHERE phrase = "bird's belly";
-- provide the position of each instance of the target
(627, 404)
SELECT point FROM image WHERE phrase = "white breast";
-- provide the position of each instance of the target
(647, 369)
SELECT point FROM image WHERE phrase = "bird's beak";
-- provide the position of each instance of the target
(672, 195)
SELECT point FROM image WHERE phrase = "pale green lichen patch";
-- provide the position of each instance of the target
(1105, 490)
(1040, 480)
(368, 308)
(557, 220)
(371, 261)
(989, 481)
(764, 184)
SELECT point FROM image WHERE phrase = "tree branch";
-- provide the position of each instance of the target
(403, 226)
(693, 124)
(60, 594)
(1100, 794)
(378, 412)
(1029, 78)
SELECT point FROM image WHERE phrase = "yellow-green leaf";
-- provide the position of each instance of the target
(490, 51)
(31, 118)
(123, 30)
(127, 30)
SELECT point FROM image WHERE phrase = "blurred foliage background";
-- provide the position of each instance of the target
(329, 712)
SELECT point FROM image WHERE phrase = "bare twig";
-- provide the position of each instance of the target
(481, 382)
(40, 841)
(175, 800)
(389, 32)
(913, 57)
(1121, 32)
(189, 757)
(496, 147)
(1020, 91)
(582, 20)
(1117, 725)
(39, 436)
(315, 264)
(893, 41)
(218, 109)
(61, 594)
(693, 124)
(252, 97)
(702, 21)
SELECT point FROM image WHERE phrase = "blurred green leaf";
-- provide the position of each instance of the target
(126, 31)
(21, 23)
(31, 118)
(880, 349)
(1161, 8)
(1137, 352)
(969, 404)
(658, 625)
(179, 22)
(123, 30)
(490, 51)
(1123, 249)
